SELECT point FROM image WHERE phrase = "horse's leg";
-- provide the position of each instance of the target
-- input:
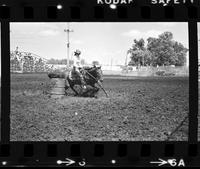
(66, 85)
(72, 87)
(69, 83)
(95, 90)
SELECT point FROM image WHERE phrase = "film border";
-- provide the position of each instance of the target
(125, 153)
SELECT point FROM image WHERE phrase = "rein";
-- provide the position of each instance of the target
(91, 75)
(100, 85)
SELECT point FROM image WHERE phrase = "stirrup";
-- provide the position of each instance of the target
(84, 86)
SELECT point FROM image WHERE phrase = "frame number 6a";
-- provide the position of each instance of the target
(171, 162)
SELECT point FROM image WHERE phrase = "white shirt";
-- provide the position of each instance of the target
(77, 61)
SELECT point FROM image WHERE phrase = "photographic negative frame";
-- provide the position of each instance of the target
(125, 153)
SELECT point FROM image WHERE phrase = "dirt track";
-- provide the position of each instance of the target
(138, 109)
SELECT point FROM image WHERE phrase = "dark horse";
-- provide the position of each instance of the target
(91, 75)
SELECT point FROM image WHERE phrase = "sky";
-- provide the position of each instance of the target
(105, 42)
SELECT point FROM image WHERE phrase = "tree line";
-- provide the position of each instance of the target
(161, 51)
(62, 61)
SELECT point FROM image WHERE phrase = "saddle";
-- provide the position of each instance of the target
(73, 75)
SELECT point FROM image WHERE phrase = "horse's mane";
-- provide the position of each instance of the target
(91, 70)
(87, 68)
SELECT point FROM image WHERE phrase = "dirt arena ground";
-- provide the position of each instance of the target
(199, 113)
(138, 109)
(0, 113)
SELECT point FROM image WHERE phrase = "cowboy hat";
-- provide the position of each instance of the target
(77, 52)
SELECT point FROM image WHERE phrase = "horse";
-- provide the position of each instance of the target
(91, 75)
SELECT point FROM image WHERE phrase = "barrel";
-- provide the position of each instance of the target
(59, 89)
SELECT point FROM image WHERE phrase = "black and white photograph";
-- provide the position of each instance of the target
(102, 81)
(0, 82)
(198, 28)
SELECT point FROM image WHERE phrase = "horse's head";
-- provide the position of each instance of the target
(98, 73)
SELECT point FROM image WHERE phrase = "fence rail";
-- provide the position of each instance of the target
(151, 71)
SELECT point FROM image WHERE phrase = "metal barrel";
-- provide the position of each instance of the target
(59, 88)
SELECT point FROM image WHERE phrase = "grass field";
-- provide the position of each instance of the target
(138, 109)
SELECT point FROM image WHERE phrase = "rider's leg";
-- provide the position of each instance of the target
(82, 79)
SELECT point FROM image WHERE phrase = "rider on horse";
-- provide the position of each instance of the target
(77, 66)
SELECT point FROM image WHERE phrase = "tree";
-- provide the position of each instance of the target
(139, 44)
(59, 61)
(139, 54)
(136, 57)
(158, 51)
(180, 54)
(161, 49)
(166, 51)
(168, 36)
(152, 47)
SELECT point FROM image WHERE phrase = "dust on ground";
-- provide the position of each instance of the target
(138, 109)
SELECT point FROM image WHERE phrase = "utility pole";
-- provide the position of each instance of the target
(143, 61)
(126, 59)
(68, 43)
